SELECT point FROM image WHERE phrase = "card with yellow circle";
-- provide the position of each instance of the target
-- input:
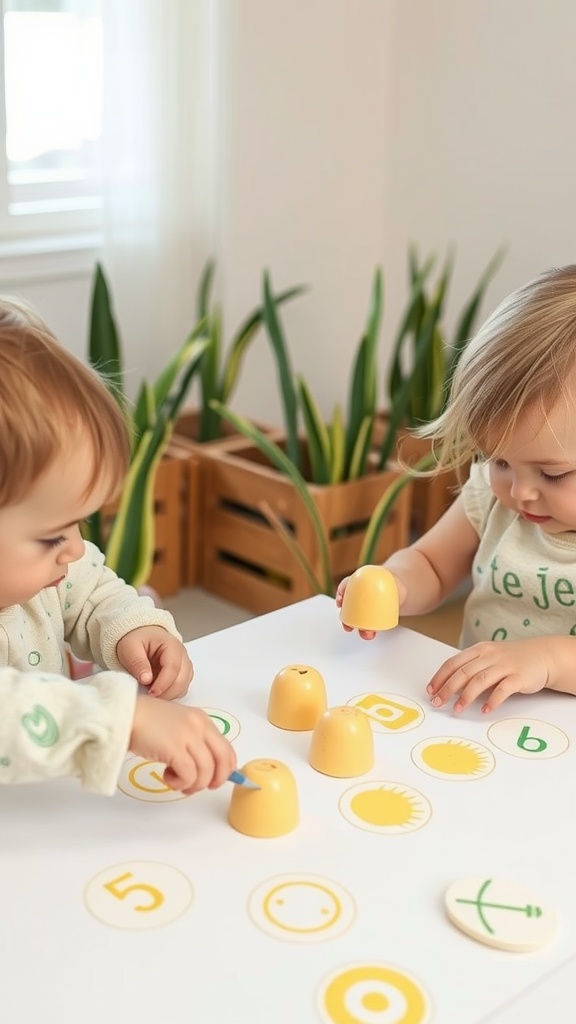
(373, 993)
(142, 780)
(454, 758)
(301, 908)
(387, 807)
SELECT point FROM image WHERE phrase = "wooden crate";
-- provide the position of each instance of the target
(431, 495)
(243, 558)
(184, 440)
(170, 496)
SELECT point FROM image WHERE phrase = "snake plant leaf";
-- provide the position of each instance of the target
(437, 374)
(424, 376)
(175, 401)
(316, 434)
(337, 434)
(465, 325)
(181, 358)
(410, 319)
(283, 463)
(294, 547)
(242, 339)
(362, 400)
(144, 413)
(285, 374)
(104, 350)
(91, 529)
(130, 546)
(361, 449)
(398, 412)
(204, 289)
(382, 511)
(209, 369)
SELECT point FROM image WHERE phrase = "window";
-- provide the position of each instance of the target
(50, 165)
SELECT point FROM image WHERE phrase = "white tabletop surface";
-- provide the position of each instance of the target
(74, 868)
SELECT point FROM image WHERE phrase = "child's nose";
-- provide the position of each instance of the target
(523, 488)
(73, 549)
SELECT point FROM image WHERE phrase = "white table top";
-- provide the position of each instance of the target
(75, 867)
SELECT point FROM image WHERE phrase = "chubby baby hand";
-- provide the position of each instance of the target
(156, 659)
(366, 634)
(493, 671)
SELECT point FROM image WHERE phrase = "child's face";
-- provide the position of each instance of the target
(41, 534)
(536, 474)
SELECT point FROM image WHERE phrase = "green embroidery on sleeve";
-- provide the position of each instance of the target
(4, 762)
(41, 726)
(34, 658)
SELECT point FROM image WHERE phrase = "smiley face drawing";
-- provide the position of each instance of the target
(301, 908)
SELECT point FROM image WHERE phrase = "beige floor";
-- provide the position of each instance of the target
(197, 613)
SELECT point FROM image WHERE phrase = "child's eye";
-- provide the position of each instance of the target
(53, 542)
(500, 463)
(554, 479)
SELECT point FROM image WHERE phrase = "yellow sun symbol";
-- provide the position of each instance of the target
(450, 757)
(385, 807)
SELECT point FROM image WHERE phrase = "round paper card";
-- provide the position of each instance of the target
(500, 913)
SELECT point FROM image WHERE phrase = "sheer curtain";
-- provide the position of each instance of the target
(158, 113)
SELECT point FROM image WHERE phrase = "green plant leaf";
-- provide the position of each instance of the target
(283, 463)
(204, 289)
(398, 413)
(337, 435)
(409, 323)
(209, 369)
(144, 414)
(91, 529)
(166, 379)
(242, 339)
(195, 353)
(424, 396)
(285, 374)
(104, 350)
(361, 449)
(382, 511)
(130, 546)
(317, 435)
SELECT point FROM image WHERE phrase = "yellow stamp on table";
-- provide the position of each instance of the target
(364, 993)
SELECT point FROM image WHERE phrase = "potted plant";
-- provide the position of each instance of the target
(421, 368)
(219, 368)
(285, 520)
(197, 430)
(127, 531)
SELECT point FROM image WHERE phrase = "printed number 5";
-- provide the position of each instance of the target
(120, 894)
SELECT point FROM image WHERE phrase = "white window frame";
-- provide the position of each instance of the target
(40, 244)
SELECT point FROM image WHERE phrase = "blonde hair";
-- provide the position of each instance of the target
(44, 392)
(522, 359)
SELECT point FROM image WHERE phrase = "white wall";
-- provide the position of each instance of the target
(346, 128)
(481, 147)
(303, 189)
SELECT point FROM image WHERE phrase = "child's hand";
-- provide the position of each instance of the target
(366, 634)
(186, 740)
(156, 659)
(504, 667)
